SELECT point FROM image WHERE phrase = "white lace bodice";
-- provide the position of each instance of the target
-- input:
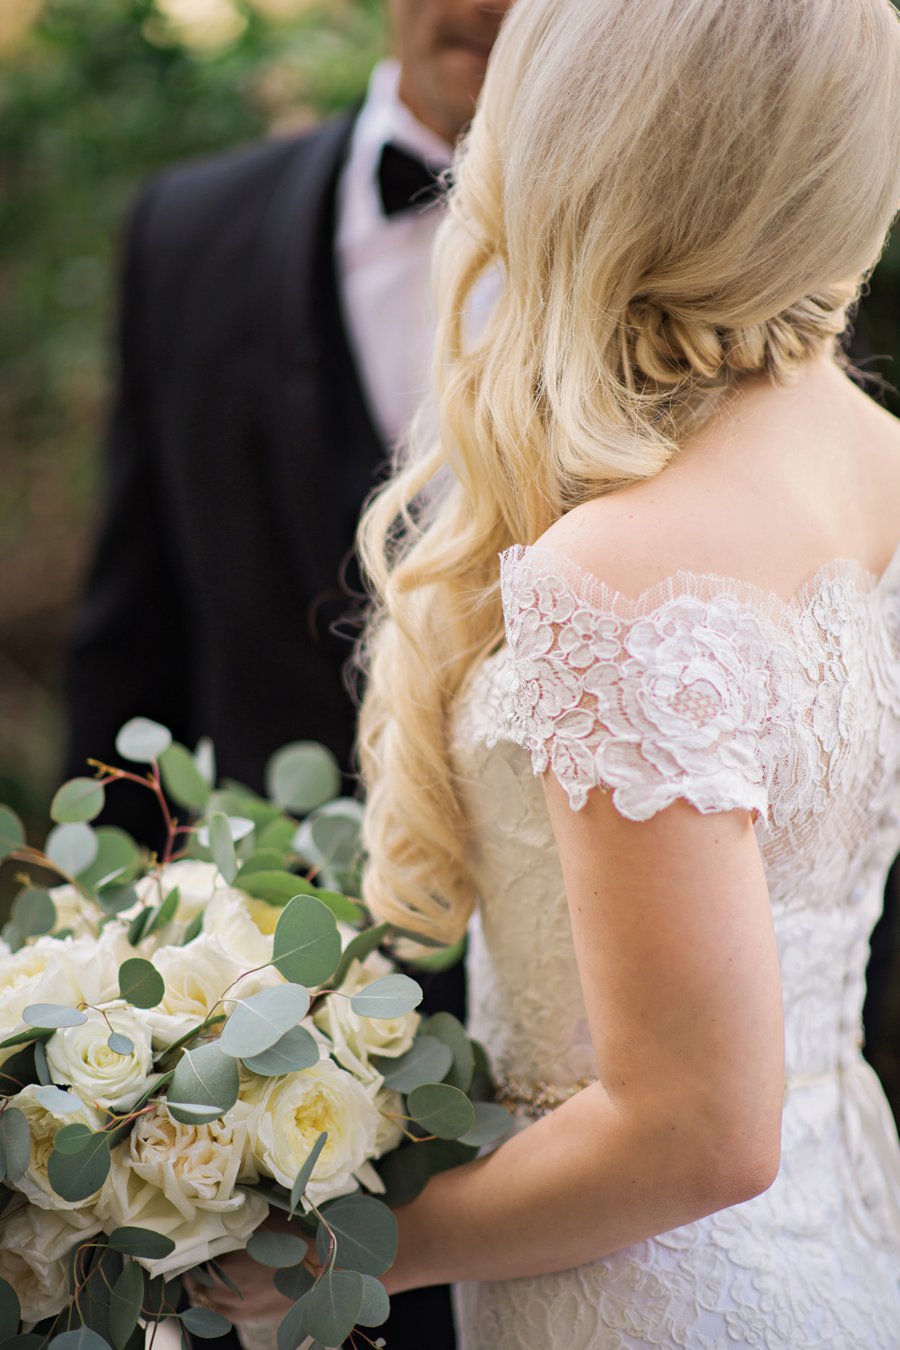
(713, 691)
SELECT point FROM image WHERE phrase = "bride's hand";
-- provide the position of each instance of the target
(260, 1299)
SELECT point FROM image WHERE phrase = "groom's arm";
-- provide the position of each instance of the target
(129, 648)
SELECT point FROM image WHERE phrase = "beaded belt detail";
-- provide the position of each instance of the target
(538, 1099)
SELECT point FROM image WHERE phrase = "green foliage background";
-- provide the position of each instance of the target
(94, 96)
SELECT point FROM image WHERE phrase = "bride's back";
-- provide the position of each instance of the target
(781, 482)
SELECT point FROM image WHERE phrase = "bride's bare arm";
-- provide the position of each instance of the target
(678, 965)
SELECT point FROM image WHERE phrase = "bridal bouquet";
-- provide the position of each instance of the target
(189, 1040)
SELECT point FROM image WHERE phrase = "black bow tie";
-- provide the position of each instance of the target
(406, 183)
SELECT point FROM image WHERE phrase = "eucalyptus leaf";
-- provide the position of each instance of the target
(366, 1234)
(358, 949)
(391, 996)
(258, 1022)
(143, 1243)
(441, 1110)
(427, 1061)
(301, 1181)
(224, 1278)
(239, 827)
(53, 1015)
(116, 898)
(138, 925)
(182, 779)
(41, 1067)
(277, 1250)
(205, 1323)
(205, 760)
(332, 1306)
(163, 914)
(58, 1100)
(330, 837)
(119, 1044)
(140, 983)
(118, 859)
(15, 1139)
(342, 907)
(492, 1123)
(406, 1170)
(261, 860)
(125, 1300)
(296, 1050)
(276, 887)
(71, 1139)
(12, 832)
(78, 799)
(204, 1086)
(302, 776)
(10, 1311)
(194, 929)
(376, 1305)
(294, 1282)
(221, 846)
(307, 945)
(277, 834)
(143, 741)
(292, 1329)
(34, 913)
(81, 1339)
(445, 1027)
(77, 1176)
(72, 848)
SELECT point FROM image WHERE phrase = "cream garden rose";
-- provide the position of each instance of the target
(196, 977)
(293, 1111)
(70, 971)
(244, 926)
(180, 1180)
(43, 1125)
(34, 1244)
(356, 1039)
(81, 1057)
(74, 912)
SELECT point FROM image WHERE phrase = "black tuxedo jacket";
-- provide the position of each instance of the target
(240, 453)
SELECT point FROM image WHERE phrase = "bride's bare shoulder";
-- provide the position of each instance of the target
(789, 479)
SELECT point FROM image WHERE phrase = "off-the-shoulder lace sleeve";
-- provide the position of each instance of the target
(655, 701)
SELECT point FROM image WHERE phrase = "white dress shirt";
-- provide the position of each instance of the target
(384, 263)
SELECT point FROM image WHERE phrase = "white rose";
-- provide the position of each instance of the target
(70, 971)
(179, 1180)
(294, 1110)
(196, 977)
(244, 925)
(197, 884)
(75, 912)
(5, 948)
(355, 1039)
(389, 1105)
(81, 1057)
(43, 1125)
(34, 1244)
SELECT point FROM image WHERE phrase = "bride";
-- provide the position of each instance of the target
(698, 517)
(656, 747)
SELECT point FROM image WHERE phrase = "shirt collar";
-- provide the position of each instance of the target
(385, 118)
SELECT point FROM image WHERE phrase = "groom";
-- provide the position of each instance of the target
(275, 338)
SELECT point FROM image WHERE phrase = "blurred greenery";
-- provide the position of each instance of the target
(95, 95)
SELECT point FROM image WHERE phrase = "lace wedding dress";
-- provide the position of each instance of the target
(713, 691)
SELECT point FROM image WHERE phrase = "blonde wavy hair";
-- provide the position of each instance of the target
(674, 194)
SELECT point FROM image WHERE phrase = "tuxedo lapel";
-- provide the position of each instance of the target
(304, 369)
